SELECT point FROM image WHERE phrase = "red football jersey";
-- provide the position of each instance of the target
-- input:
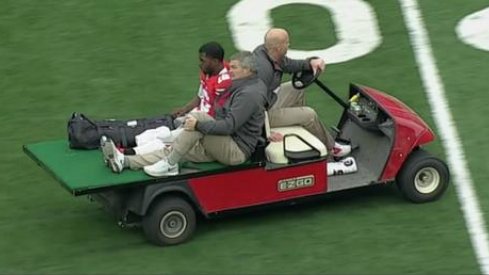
(210, 87)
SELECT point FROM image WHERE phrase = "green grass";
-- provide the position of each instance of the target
(320, 29)
(130, 58)
(464, 72)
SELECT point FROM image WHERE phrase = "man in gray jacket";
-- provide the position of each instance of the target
(284, 103)
(230, 138)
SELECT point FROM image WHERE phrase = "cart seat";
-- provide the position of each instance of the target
(298, 145)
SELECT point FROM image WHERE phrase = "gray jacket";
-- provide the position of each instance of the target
(271, 72)
(242, 116)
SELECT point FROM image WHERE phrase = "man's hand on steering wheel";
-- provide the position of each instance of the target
(317, 64)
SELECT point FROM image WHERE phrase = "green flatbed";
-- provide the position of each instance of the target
(83, 171)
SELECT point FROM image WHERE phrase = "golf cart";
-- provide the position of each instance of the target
(387, 137)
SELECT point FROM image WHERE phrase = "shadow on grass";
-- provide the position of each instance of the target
(339, 203)
(343, 201)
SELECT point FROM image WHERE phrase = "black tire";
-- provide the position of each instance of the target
(423, 177)
(170, 221)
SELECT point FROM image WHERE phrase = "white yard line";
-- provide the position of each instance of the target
(461, 178)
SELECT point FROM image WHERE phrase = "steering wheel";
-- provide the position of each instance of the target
(302, 79)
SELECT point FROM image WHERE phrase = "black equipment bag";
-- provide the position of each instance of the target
(84, 133)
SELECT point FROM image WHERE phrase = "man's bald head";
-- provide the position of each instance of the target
(276, 37)
(277, 43)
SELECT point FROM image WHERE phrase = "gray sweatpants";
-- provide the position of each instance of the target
(289, 110)
(195, 146)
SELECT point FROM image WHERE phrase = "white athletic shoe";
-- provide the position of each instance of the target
(161, 168)
(341, 150)
(345, 166)
(112, 156)
(104, 148)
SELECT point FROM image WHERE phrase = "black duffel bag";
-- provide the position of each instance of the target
(84, 133)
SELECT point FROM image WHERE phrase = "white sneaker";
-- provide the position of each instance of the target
(103, 140)
(105, 149)
(161, 168)
(341, 150)
(345, 166)
(112, 156)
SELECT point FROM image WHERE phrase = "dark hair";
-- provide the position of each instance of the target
(213, 50)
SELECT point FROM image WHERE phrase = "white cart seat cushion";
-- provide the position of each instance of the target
(275, 150)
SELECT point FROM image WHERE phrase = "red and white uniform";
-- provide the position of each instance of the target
(212, 93)
(210, 87)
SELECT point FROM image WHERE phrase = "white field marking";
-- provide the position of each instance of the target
(462, 180)
(354, 21)
(474, 29)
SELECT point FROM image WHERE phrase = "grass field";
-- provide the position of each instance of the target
(127, 59)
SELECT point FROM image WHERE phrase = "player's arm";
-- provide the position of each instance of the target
(193, 103)
(187, 107)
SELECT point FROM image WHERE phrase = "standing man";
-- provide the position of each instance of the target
(230, 138)
(286, 104)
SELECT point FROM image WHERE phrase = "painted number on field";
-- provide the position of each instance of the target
(355, 25)
(474, 29)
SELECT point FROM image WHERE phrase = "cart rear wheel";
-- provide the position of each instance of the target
(423, 177)
(170, 221)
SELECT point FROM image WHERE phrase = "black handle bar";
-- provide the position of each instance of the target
(331, 93)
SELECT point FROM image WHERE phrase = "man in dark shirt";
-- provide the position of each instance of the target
(286, 104)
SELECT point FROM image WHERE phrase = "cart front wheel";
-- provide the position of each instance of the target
(423, 178)
(170, 221)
